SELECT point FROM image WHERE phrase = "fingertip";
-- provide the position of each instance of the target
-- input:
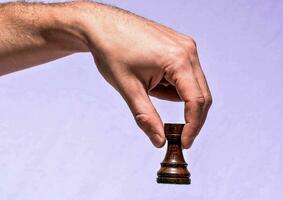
(158, 141)
(153, 128)
(162, 143)
(187, 138)
(187, 143)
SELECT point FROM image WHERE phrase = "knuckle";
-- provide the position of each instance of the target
(177, 53)
(191, 46)
(199, 101)
(208, 100)
(142, 120)
(174, 73)
(182, 51)
(193, 42)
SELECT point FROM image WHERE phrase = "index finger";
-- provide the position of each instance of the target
(190, 92)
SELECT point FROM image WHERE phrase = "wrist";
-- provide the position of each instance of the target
(65, 27)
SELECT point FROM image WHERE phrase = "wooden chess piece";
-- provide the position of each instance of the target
(173, 168)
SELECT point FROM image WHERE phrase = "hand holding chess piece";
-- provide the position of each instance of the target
(174, 168)
(138, 57)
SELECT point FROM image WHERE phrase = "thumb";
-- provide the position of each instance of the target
(143, 110)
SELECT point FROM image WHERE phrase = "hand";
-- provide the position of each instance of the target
(139, 58)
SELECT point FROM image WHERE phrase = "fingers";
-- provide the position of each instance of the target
(196, 126)
(189, 91)
(165, 92)
(143, 110)
(200, 77)
(194, 104)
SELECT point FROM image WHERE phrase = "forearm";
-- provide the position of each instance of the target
(33, 34)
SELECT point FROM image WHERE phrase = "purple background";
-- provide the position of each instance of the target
(67, 135)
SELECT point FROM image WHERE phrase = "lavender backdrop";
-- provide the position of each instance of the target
(67, 135)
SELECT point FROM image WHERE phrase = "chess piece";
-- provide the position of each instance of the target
(173, 168)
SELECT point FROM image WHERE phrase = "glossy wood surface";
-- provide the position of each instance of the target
(173, 168)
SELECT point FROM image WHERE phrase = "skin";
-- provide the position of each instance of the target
(138, 57)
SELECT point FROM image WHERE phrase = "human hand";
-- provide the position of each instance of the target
(138, 58)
